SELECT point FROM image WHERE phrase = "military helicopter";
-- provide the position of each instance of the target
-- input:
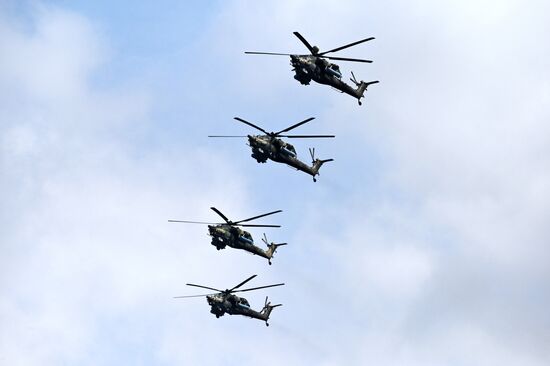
(225, 302)
(316, 67)
(270, 146)
(228, 233)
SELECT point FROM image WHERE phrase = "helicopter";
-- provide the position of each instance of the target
(316, 67)
(228, 233)
(270, 146)
(226, 302)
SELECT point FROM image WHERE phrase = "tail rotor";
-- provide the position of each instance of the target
(316, 163)
(268, 308)
(361, 86)
(354, 80)
(312, 154)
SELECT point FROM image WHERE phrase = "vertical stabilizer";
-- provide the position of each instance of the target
(271, 248)
(266, 311)
(316, 164)
(361, 87)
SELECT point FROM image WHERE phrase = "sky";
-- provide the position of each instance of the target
(425, 242)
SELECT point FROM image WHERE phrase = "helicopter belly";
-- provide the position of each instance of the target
(327, 79)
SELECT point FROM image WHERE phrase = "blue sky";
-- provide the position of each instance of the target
(424, 243)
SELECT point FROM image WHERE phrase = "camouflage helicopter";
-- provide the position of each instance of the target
(228, 233)
(225, 302)
(316, 67)
(270, 146)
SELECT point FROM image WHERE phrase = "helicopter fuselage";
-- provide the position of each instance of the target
(226, 235)
(266, 147)
(310, 67)
(234, 305)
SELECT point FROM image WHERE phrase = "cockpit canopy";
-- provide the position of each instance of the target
(290, 148)
(244, 302)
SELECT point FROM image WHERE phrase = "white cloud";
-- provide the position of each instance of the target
(85, 239)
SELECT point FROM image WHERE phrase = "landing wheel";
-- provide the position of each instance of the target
(217, 316)
(269, 262)
(266, 324)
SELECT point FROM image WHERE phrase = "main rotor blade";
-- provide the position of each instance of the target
(197, 222)
(225, 136)
(257, 288)
(242, 283)
(219, 213)
(206, 287)
(348, 59)
(346, 46)
(305, 136)
(257, 217)
(185, 297)
(306, 43)
(268, 53)
(251, 125)
(252, 225)
(296, 125)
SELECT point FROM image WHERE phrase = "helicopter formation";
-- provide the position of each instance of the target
(271, 146)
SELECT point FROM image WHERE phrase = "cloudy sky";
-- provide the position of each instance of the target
(426, 241)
